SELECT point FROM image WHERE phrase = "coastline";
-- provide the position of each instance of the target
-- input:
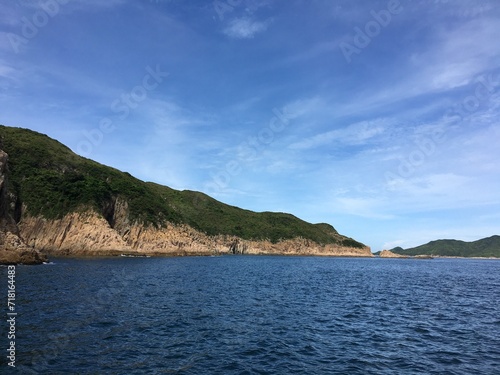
(437, 257)
(457, 257)
(49, 257)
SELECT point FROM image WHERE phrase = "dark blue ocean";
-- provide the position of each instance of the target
(256, 315)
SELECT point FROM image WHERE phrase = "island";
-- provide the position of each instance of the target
(488, 247)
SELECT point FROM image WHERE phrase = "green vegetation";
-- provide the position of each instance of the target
(486, 247)
(51, 181)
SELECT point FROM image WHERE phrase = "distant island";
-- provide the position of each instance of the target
(54, 202)
(484, 248)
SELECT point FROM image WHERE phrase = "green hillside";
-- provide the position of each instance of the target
(486, 247)
(50, 180)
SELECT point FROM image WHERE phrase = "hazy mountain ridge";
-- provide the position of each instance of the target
(48, 183)
(485, 247)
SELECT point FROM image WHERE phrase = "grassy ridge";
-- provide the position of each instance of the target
(486, 247)
(50, 180)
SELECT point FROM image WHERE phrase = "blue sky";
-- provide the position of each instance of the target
(378, 117)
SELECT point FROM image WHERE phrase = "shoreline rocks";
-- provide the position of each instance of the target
(87, 233)
(14, 251)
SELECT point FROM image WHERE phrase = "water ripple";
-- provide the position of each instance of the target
(260, 315)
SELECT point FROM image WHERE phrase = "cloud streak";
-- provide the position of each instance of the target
(245, 28)
(354, 134)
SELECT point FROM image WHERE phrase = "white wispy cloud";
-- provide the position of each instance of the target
(456, 57)
(364, 207)
(12, 14)
(6, 70)
(245, 28)
(463, 9)
(304, 106)
(164, 132)
(353, 134)
(435, 184)
(460, 58)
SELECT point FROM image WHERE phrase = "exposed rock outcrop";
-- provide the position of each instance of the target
(78, 233)
(14, 251)
(390, 254)
(88, 233)
(12, 248)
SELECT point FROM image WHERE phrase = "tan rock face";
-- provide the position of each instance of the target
(87, 233)
(390, 254)
(76, 233)
(12, 249)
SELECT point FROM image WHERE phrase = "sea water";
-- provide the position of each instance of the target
(256, 315)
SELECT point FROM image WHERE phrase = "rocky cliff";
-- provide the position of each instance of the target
(12, 248)
(88, 233)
